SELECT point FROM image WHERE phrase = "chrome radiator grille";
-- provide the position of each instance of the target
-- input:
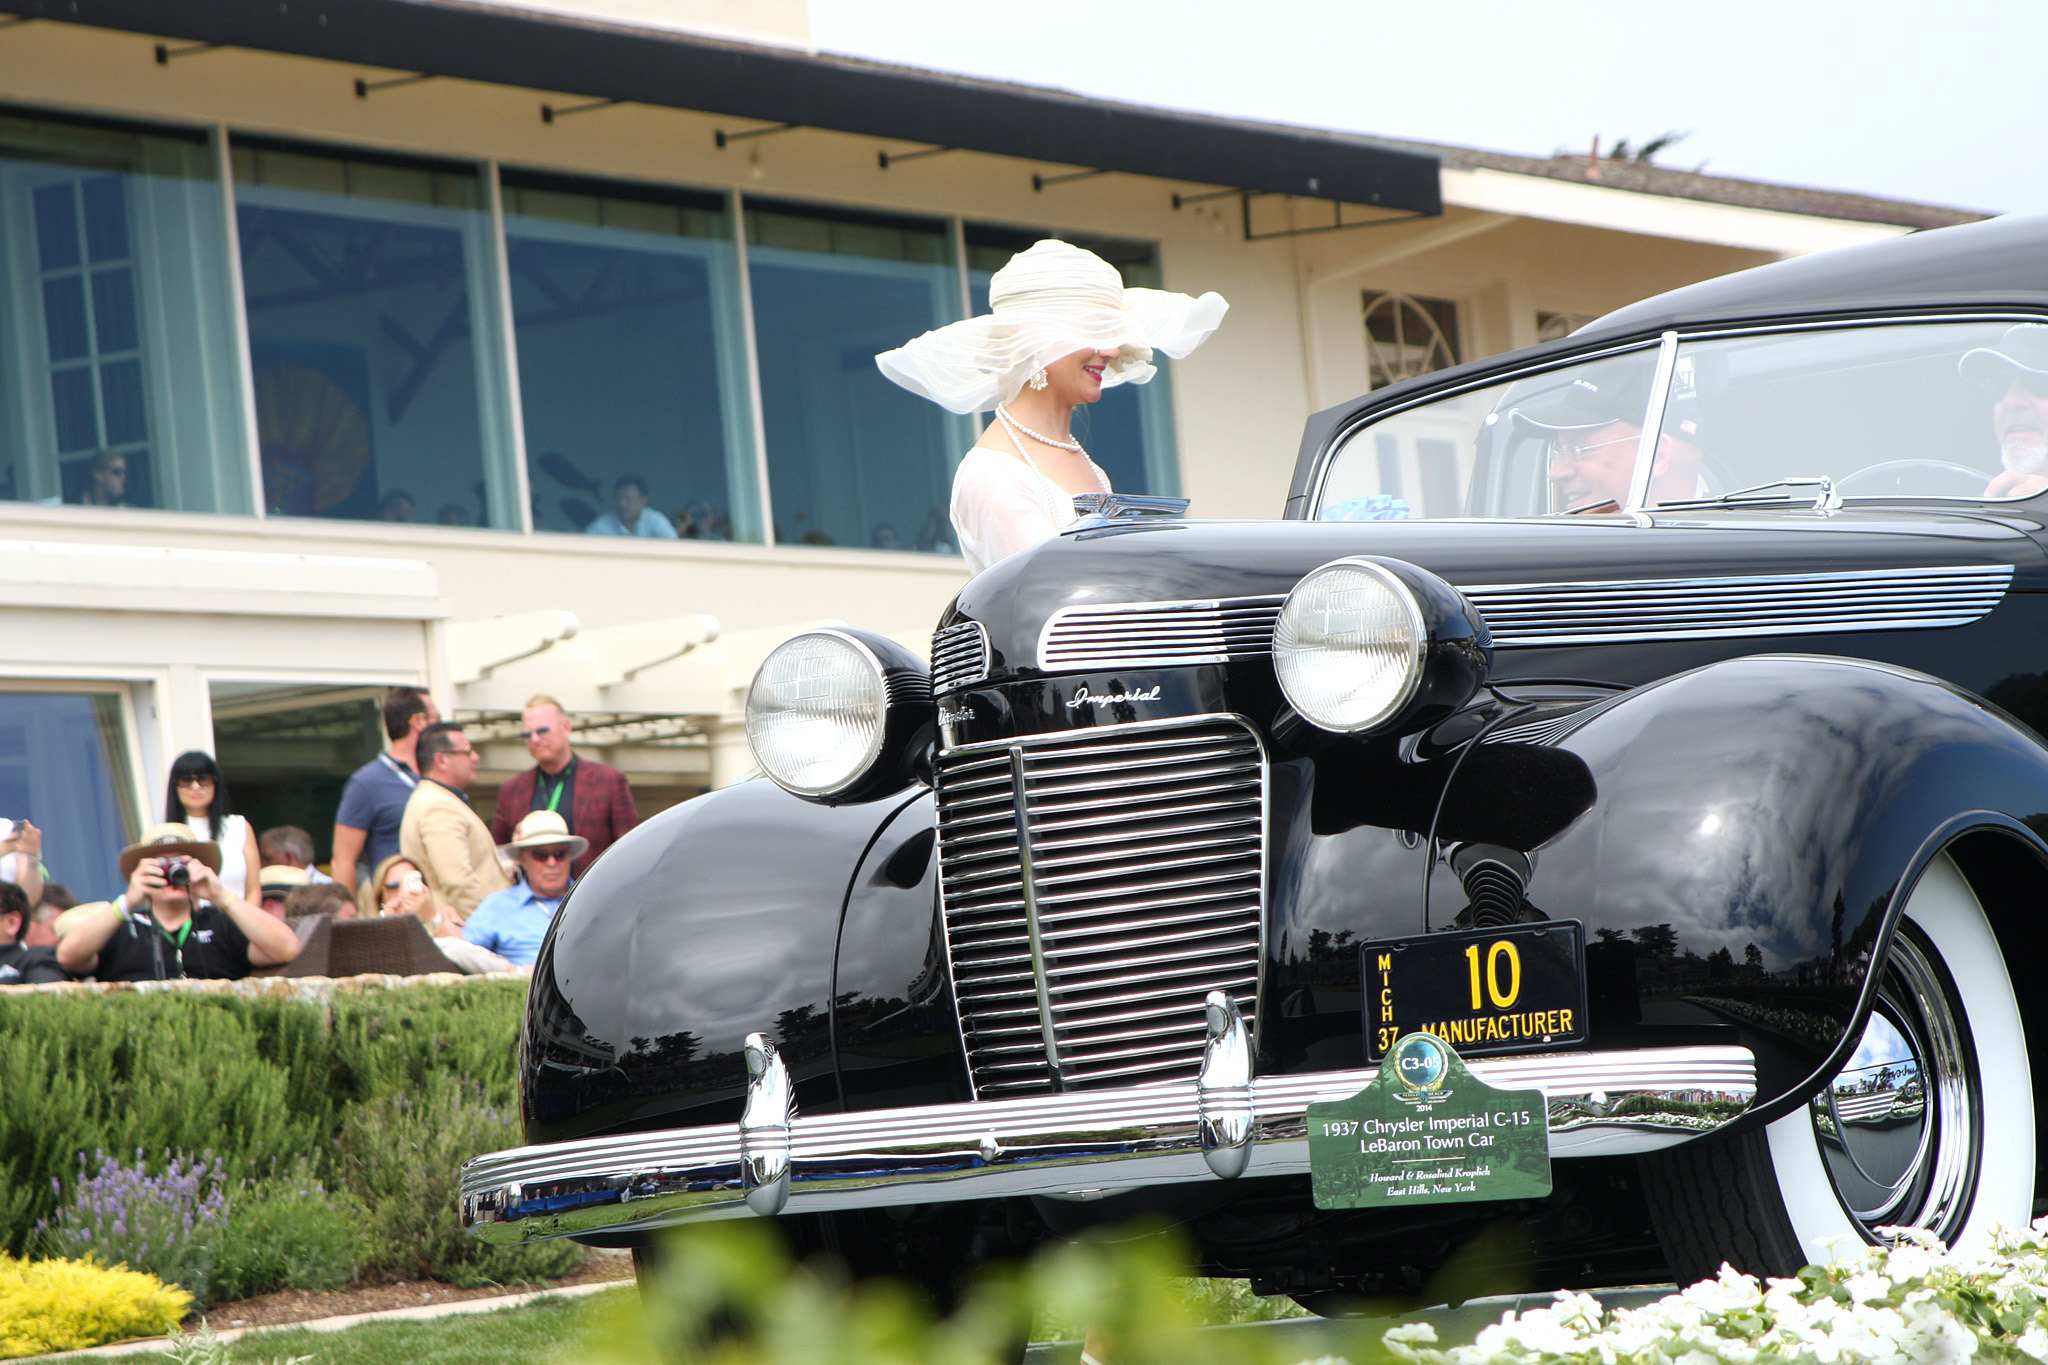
(959, 656)
(1157, 634)
(1097, 884)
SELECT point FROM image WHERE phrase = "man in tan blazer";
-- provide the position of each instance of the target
(440, 834)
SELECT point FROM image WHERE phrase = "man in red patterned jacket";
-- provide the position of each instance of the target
(593, 798)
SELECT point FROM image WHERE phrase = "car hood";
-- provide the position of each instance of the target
(1170, 561)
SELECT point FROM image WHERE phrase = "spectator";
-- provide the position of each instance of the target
(513, 922)
(21, 858)
(20, 964)
(278, 883)
(42, 930)
(441, 835)
(594, 800)
(397, 506)
(373, 802)
(289, 846)
(319, 898)
(630, 514)
(399, 888)
(176, 919)
(109, 484)
(198, 796)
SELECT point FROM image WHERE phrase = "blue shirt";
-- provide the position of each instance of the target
(374, 802)
(511, 923)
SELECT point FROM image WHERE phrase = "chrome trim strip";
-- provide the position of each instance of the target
(1533, 615)
(1107, 1139)
(960, 656)
(1111, 635)
(1034, 936)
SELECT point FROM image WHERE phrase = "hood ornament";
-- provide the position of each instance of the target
(1108, 509)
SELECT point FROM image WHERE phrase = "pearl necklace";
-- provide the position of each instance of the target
(1016, 426)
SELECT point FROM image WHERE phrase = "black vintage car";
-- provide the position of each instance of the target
(1696, 662)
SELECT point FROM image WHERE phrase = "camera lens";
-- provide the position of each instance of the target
(179, 875)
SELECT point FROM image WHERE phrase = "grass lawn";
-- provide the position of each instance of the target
(540, 1333)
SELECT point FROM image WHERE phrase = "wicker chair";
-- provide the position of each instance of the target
(393, 945)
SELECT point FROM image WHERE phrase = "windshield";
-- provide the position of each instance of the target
(1938, 410)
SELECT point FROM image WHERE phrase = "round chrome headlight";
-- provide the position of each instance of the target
(1365, 644)
(831, 713)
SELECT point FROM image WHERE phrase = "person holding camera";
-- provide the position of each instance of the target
(176, 919)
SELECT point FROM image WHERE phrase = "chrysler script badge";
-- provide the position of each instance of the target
(1083, 697)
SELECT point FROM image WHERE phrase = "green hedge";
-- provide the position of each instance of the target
(263, 1081)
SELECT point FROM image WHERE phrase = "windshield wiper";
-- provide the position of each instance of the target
(1827, 500)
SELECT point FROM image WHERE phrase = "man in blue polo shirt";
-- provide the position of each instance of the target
(512, 922)
(373, 802)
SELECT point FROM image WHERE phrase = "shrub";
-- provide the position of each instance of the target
(403, 1153)
(287, 1232)
(165, 1225)
(65, 1305)
(248, 1078)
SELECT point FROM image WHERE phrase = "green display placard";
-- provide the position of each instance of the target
(1427, 1131)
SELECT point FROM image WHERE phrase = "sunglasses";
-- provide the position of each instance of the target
(537, 732)
(552, 853)
(196, 780)
(1571, 452)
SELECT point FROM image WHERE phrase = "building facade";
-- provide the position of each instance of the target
(339, 344)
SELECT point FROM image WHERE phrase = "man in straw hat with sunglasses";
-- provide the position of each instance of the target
(2015, 374)
(176, 919)
(512, 922)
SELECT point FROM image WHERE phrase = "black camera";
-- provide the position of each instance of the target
(177, 875)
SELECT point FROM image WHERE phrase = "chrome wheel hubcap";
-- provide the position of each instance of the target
(1898, 1127)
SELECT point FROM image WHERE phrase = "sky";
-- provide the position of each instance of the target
(1943, 103)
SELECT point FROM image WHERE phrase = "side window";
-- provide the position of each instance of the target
(1930, 410)
(1561, 441)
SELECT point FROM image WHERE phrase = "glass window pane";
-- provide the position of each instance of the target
(64, 767)
(625, 307)
(119, 375)
(1559, 442)
(56, 226)
(371, 333)
(106, 218)
(1943, 410)
(72, 398)
(113, 310)
(64, 317)
(1129, 430)
(853, 459)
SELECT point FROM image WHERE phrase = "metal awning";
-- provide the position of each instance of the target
(609, 62)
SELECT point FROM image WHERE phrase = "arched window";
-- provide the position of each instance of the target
(1553, 326)
(1407, 335)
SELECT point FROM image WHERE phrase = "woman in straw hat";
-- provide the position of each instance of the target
(1063, 328)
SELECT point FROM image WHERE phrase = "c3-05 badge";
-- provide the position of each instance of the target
(1427, 1131)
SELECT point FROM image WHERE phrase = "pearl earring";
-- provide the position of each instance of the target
(1038, 381)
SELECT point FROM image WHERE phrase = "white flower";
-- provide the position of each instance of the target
(1866, 1285)
(2034, 1341)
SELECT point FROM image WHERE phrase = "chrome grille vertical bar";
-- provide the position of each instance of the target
(1046, 1029)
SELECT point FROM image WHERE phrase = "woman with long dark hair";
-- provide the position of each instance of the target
(199, 797)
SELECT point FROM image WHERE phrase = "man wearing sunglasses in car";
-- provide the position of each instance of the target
(512, 922)
(2015, 373)
(1592, 419)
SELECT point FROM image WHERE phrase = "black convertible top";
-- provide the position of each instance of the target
(2000, 261)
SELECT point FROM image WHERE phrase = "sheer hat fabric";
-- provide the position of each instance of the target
(1052, 299)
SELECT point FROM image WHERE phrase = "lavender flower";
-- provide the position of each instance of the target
(163, 1224)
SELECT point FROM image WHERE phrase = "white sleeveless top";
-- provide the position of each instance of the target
(233, 838)
(1002, 505)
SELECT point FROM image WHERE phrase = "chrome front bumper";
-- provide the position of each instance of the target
(1082, 1144)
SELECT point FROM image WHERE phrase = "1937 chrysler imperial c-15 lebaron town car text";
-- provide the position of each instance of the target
(1652, 715)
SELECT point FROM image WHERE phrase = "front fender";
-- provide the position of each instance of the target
(1759, 825)
(715, 919)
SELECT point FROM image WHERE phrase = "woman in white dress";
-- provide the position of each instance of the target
(199, 798)
(1063, 328)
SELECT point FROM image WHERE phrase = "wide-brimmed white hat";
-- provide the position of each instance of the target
(1052, 299)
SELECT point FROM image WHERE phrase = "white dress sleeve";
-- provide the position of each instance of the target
(998, 508)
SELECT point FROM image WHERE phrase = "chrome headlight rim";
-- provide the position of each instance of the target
(901, 727)
(1452, 650)
(871, 750)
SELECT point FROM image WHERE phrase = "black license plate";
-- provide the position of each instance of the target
(1518, 989)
